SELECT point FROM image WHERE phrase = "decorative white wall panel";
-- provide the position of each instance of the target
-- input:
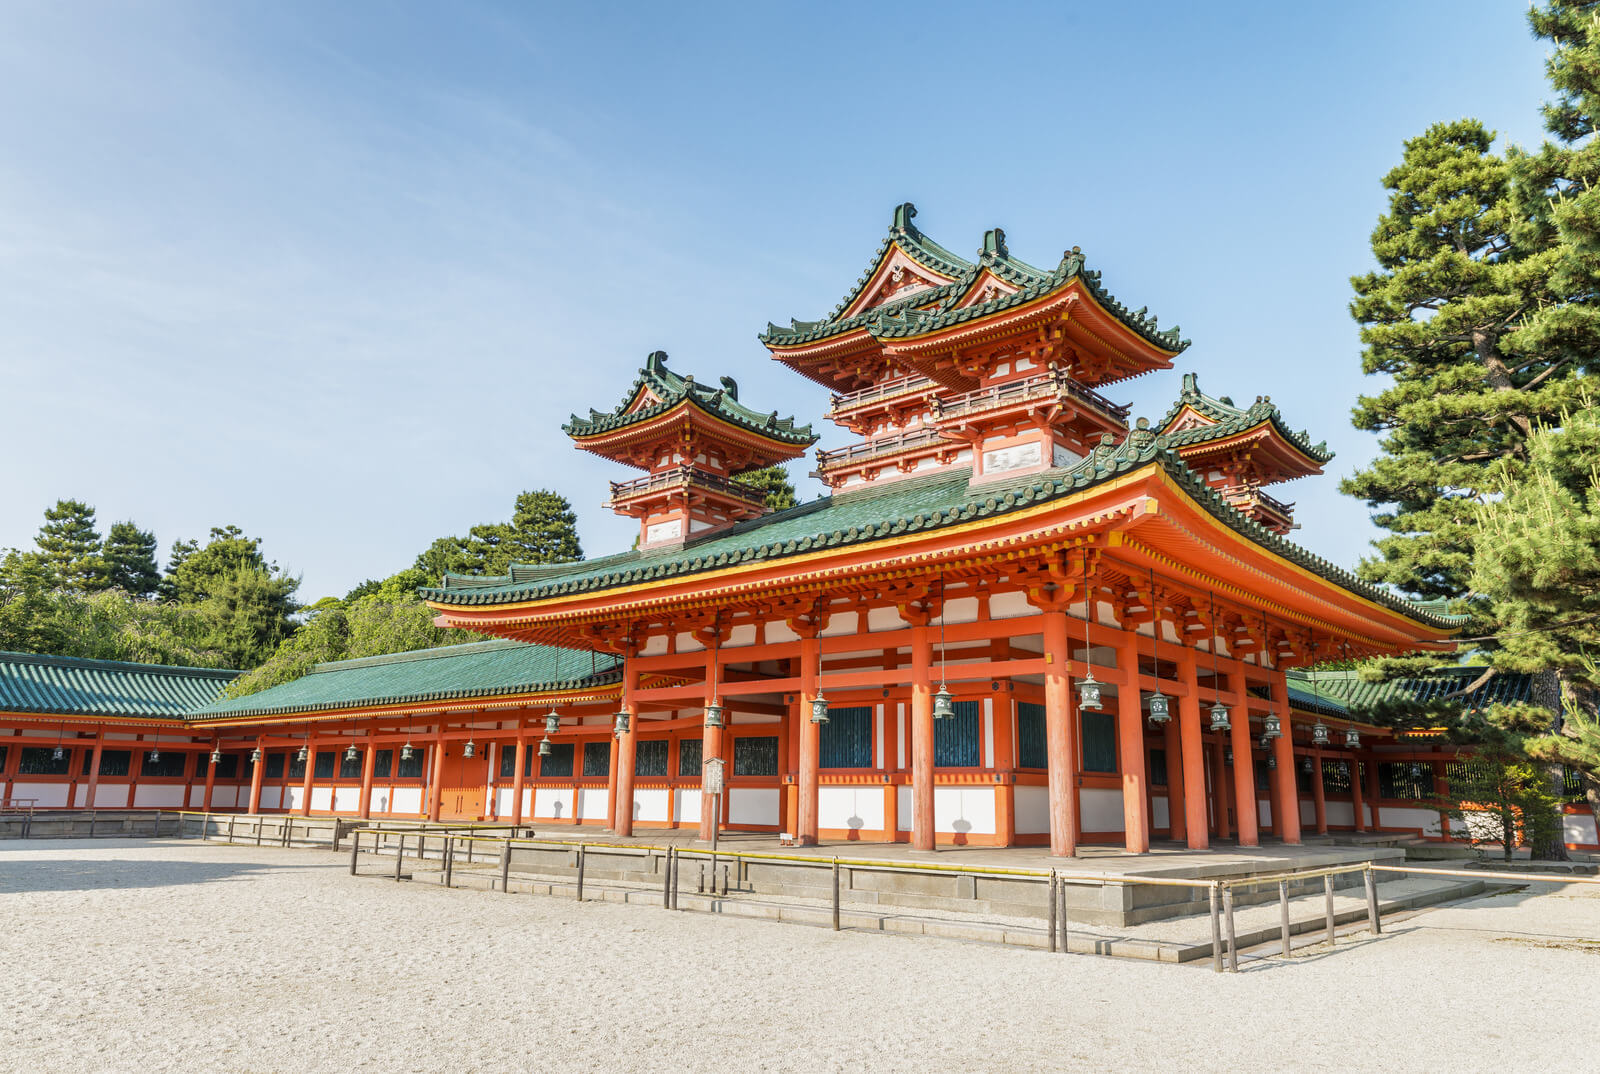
(346, 799)
(1341, 814)
(850, 807)
(1032, 810)
(47, 795)
(1160, 814)
(154, 796)
(650, 803)
(105, 797)
(964, 809)
(1100, 810)
(591, 804)
(752, 805)
(1578, 828)
(902, 798)
(1405, 817)
(555, 803)
(406, 800)
(321, 799)
(687, 805)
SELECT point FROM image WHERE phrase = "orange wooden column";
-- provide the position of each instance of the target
(1357, 799)
(1373, 789)
(369, 767)
(1196, 825)
(810, 743)
(211, 782)
(311, 767)
(1060, 751)
(923, 836)
(1005, 764)
(519, 761)
(611, 785)
(94, 767)
(1319, 793)
(1176, 820)
(710, 746)
(626, 750)
(257, 770)
(435, 778)
(1219, 783)
(1130, 736)
(1246, 813)
(1288, 825)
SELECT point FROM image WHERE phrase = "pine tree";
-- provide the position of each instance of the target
(543, 529)
(774, 482)
(245, 604)
(130, 557)
(69, 545)
(1439, 317)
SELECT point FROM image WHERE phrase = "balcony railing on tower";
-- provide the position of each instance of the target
(681, 477)
(878, 393)
(1056, 385)
(883, 445)
(1270, 512)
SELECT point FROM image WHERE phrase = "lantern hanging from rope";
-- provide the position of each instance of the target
(552, 722)
(216, 755)
(1319, 734)
(1219, 717)
(622, 723)
(470, 749)
(943, 703)
(351, 753)
(1160, 704)
(1219, 711)
(1272, 726)
(255, 755)
(1088, 688)
(1352, 737)
(713, 715)
(544, 746)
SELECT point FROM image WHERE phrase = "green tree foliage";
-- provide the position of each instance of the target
(130, 557)
(244, 603)
(1501, 797)
(69, 546)
(543, 529)
(774, 482)
(385, 618)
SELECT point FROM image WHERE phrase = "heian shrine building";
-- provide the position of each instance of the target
(1015, 619)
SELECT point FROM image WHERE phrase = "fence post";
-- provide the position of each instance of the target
(1052, 882)
(355, 849)
(677, 864)
(1216, 931)
(700, 885)
(835, 894)
(399, 856)
(260, 824)
(666, 880)
(1283, 908)
(1372, 903)
(1233, 936)
(1327, 895)
(580, 872)
(1061, 904)
(724, 880)
(91, 824)
(448, 854)
(505, 868)
(230, 831)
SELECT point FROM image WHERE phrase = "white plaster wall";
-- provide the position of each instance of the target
(686, 806)
(503, 801)
(293, 797)
(1100, 810)
(1579, 828)
(1264, 810)
(850, 807)
(271, 797)
(840, 623)
(157, 796)
(527, 801)
(752, 805)
(1032, 810)
(778, 631)
(223, 797)
(591, 803)
(556, 803)
(1010, 605)
(964, 610)
(988, 732)
(51, 795)
(650, 803)
(964, 809)
(1401, 817)
(1308, 812)
(112, 797)
(884, 619)
(688, 643)
(902, 798)
(406, 800)
(743, 634)
(1341, 813)
(322, 799)
(346, 799)
(1160, 812)
(656, 645)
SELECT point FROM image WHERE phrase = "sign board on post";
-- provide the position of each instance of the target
(712, 783)
(713, 775)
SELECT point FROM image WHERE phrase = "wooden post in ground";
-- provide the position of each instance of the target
(1216, 932)
(505, 864)
(1233, 935)
(835, 894)
(355, 849)
(1052, 911)
(1372, 903)
(580, 872)
(1283, 912)
(1327, 895)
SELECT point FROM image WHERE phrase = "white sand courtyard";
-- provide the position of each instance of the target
(182, 956)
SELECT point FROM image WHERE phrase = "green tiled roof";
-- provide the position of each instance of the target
(480, 669)
(907, 506)
(905, 317)
(69, 686)
(1230, 419)
(671, 389)
(1347, 691)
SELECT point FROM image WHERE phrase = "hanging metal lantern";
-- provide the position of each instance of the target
(1272, 727)
(302, 755)
(944, 705)
(1305, 765)
(552, 722)
(406, 752)
(544, 747)
(352, 753)
(1227, 756)
(1319, 734)
(1219, 717)
(1089, 692)
(1352, 737)
(469, 750)
(57, 754)
(1160, 708)
(622, 724)
(819, 708)
(155, 753)
(255, 755)
(216, 755)
(713, 715)
(1272, 762)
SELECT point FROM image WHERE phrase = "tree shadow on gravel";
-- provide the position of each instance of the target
(109, 874)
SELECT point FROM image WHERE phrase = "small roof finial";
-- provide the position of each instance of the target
(903, 214)
(994, 244)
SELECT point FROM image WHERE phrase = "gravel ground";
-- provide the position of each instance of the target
(144, 956)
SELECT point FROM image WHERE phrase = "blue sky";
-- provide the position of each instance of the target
(336, 273)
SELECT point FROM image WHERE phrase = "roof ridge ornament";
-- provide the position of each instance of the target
(903, 214)
(994, 245)
(656, 362)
